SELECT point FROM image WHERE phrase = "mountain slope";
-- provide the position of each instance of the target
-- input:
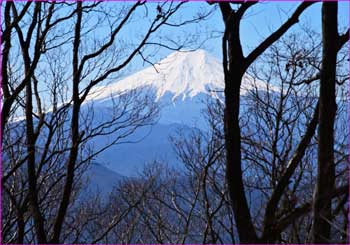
(182, 84)
(101, 179)
(180, 75)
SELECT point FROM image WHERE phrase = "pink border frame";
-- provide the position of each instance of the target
(134, 1)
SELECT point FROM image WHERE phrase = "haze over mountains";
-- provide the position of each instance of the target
(181, 83)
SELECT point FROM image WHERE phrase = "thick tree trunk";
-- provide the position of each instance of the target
(233, 71)
(322, 212)
(233, 163)
(6, 41)
(235, 65)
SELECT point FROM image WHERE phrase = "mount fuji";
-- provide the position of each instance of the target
(182, 83)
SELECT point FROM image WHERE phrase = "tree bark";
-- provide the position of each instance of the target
(322, 210)
(235, 65)
(31, 168)
(75, 135)
(233, 72)
(33, 192)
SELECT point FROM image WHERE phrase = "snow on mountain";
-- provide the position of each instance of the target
(182, 83)
(180, 75)
(183, 74)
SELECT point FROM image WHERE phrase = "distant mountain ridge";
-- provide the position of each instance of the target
(181, 74)
(182, 83)
(178, 76)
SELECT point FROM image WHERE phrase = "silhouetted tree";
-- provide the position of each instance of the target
(52, 61)
(322, 208)
(235, 65)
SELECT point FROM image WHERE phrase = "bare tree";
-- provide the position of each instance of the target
(278, 162)
(322, 209)
(235, 65)
(53, 60)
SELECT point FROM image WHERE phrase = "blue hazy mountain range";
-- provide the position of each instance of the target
(182, 83)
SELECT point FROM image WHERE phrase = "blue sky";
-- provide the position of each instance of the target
(259, 21)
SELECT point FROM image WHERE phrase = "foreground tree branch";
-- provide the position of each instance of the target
(269, 234)
(235, 65)
(75, 134)
(322, 209)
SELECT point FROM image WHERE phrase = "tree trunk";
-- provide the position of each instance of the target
(75, 135)
(31, 169)
(234, 61)
(233, 164)
(322, 212)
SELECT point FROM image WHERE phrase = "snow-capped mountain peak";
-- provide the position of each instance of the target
(182, 74)
(183, 83)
